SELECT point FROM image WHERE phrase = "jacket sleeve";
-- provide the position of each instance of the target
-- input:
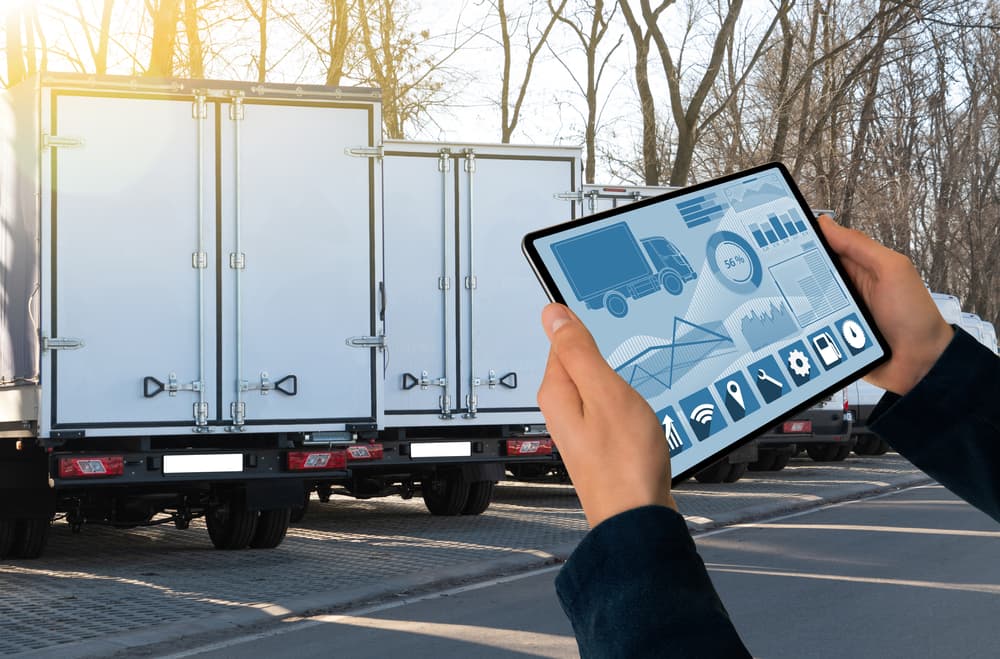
(949, 424)
(635, 587)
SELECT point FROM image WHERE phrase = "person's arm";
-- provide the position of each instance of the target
(941, 411)
(948, 425)
(635, 586)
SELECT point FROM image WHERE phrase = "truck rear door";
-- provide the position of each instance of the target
(123, 277)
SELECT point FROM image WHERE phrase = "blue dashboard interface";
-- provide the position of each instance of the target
(720, 307)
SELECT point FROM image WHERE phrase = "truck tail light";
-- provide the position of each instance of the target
(316, 460)
(365, 452)
(847, 406)
(529, 447)
(92, 466)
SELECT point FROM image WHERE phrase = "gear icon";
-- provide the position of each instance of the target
(799, 363)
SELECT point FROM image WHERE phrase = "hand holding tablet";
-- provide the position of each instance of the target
(719, 304)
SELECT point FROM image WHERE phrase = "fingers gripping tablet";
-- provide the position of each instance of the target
(720, 304)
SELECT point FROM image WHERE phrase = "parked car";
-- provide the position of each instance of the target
(823, 430)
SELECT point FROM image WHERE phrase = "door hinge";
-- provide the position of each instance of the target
(470, 282)
(367, 342)
(238, 411)
(568, 196)
(201, 414)
(365, 151)
(444, 283)
(60, 142)
(237, 111)
(59, 343)
(444, 160)
(199, 110)
(199, 260)
(237, 261)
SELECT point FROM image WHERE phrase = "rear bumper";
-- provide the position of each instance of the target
(828, 427)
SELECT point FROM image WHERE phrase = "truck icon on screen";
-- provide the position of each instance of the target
(608, 266)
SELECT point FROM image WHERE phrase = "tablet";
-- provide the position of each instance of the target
(720, 303)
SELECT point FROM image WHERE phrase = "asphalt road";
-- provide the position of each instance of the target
(909, 575)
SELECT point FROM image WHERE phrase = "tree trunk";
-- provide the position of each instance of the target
(196, 56)
(15, 50)
(650, 155)
(161, 59)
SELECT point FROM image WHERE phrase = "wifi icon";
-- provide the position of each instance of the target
(702, 412)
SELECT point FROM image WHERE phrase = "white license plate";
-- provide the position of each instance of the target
(440, 449)
(203, 464)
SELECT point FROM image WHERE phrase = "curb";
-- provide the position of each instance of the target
(175, 637)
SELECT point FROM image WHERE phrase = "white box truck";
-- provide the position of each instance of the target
(212, 301)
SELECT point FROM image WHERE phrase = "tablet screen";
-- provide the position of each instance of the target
(719, 304)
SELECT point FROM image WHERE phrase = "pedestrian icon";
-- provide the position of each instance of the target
(768, 379)
(737, 396)
(677, 439)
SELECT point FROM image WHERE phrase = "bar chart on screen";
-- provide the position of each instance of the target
(779, 227)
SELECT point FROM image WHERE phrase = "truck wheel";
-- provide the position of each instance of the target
(672, 283)
(871, 445)
(30, 536)
(715, 473)
(829, 452)
(480, 496)
(765, 461)
(272, 525)
(230, 525)
(616, 304)
(298, 512)
(445, 495)
(6, 537)
(736, 472)
(529, 471)
(781, 459)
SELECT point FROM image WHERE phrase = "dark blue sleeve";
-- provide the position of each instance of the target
(635, 587)
(949, 424)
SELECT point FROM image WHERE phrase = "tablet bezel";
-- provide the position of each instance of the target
(530, 251)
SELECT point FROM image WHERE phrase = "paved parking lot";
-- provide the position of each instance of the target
(106, 590)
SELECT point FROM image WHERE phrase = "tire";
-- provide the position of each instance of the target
(672, 283)
(828, 452)
(30, 536)
(736, 472)
(230, 525)
(765, 461)
(771, 459)
(781, 459)
(529, 471)
(715, 473)
(298, 512)
(445, 496)
(871, 445)
(6, 537)
(480, 496)
(616, 304)
(272, 525)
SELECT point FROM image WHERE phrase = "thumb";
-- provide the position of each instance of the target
(577, 351)
(851, 244)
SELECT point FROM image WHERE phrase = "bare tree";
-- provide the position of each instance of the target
(260, 16)
(510, 108)
(165, 15)
(647, 105)
(589, 24)
(192, 31)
